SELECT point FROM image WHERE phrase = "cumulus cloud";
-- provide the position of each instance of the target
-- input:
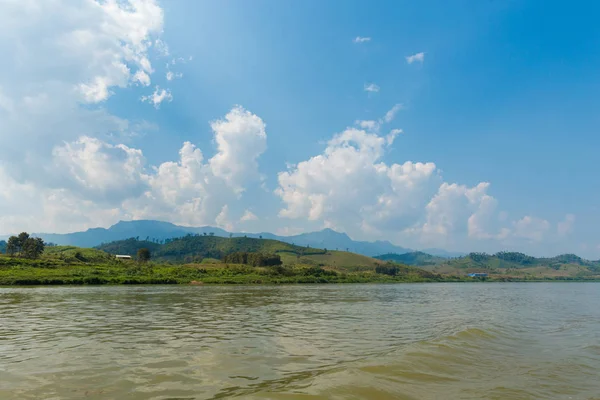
(63, 162)
(101, 170)
(248, 216)
(114, 181)
(531, 228)
(54, 89)
(158, 97)
(142, 78)
(241, 138)
(419, 57)
(371, 87)
(193, 191)
(361, 39)
(351, 188)
(374, 126)
(222, 219)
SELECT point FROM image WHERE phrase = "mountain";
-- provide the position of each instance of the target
(153, 230)
(416, 258)
(159, 231)
(330, 239)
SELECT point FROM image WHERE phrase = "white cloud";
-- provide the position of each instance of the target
(374, 126)
(419, 57)
(531, 228)
(158, 97)
(392, 135)
(192, 191)
(371, 87)
(142, 77)
(222, 219)
(459, 211)
(248, 216)
(348, 186)
(101, 170)
(391, 114)
(360, 39)
(241, 138)
(161, 47)
(180, 60)
(105, 182)
(565, 228)
(369, 125)
(88, 52)
(173, 75)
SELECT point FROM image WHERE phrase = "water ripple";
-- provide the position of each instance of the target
(430, 341)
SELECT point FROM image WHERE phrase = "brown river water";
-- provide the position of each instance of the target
(402, 341)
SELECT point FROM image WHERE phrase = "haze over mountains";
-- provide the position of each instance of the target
(326, 238)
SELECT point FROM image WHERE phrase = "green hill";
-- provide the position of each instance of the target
(196, 248)
(417, 258)
(197, 259)
(519, 265)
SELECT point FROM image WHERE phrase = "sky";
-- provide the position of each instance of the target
(467, 125)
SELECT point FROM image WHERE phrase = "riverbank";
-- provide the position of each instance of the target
(21, 272)
(69, 271)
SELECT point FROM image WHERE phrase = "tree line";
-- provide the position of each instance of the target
(254, 259)
(25, 246)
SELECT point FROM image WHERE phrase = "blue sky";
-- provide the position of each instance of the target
(498, 119)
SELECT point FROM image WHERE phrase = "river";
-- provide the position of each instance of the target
(402, 341)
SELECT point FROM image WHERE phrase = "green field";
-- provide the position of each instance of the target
(70, 265)
(198, 259)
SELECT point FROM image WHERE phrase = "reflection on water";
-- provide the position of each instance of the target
(416, 341)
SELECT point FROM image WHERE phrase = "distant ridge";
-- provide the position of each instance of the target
(159, 230)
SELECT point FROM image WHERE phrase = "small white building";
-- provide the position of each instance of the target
(122, 257)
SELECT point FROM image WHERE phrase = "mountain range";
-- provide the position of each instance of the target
(159, 231)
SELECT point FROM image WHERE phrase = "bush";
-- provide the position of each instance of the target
(390, 270)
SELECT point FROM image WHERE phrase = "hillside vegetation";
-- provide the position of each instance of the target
(193, 260)
(416, 258)
(196, 248)
(519, 266)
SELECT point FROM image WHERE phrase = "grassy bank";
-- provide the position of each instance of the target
(75, 269)
(67, 265)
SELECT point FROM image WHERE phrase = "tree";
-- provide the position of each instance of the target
(211, 234)
(23, 236)
(143, 255)
(388, 269)
(32, 247)
(260, 236)
(204, 233)
(13, 247)
(137, 238)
